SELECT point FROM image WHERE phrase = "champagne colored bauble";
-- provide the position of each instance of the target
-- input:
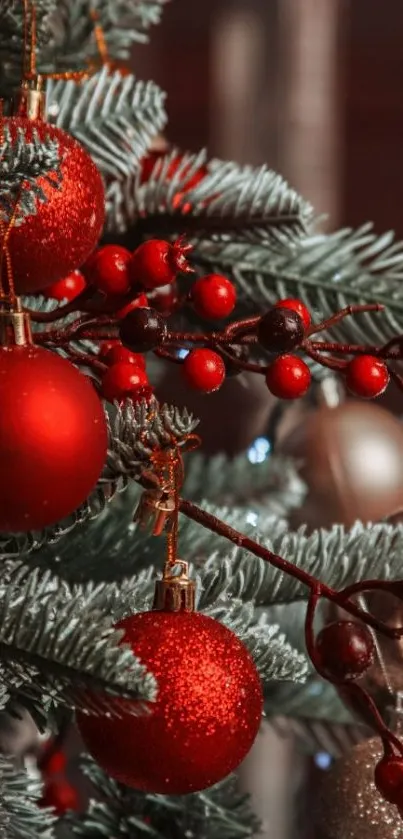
(47, 246)
(348, 805)
(351, 459)
(206, 715)
(53, 438)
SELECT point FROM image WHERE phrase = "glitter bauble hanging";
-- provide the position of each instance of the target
(47, 246)
(348, 805)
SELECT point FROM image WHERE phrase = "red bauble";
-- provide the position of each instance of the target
(296, 306)
(140, 302)
(204, 370)
(117, 354)
(53, 438)
(157, 262)
(47, 246)
(149, 166)
(68, 288)
(123, 381)
(288, 377)
(60, 796)
(207, 711)
(345, 649)
(53, 763)
(213, 297)
(106, 270)
(389, 779)
(367, 376)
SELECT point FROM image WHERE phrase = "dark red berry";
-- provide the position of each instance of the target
(107, 270)
(119, 354)
(139, 302)
(204, 370)
(288, 377)
(156, 263)
(389, 779)
(296, 306)
(60, 796)
(213, 297)
(367, 376)
(345, 650)
(142, 330)
(280, 330)
(68, 288)
(122, 381)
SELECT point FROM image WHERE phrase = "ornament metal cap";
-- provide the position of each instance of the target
(176, 592)
(15, 326)
(31, 100)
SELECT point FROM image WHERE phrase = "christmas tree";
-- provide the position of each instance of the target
(162, 597)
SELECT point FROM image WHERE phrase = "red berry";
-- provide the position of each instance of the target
(107, 270)
(68, 288)
(156, 263)
(345, 649)
(54, 763)
(105, 346)
(139, 302)
(288, 377)
(204, 370)
(213, 297)
(164, 299)
(367, 376)
(389, 779)
(123, 381)
(298, 307)
(61, 796)
(118, 354)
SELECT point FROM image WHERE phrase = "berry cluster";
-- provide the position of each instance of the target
(139, 291)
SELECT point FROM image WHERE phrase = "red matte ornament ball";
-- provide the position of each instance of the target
(107, 270)
(288, 377)
(59, 237)
(367, 376)
(117, 354)
(213, 296)
(53, 438)
(60, 796)
(389, 779)
(54, 764)
(157, 262)
(123, 381)
(67, 289)
(345, 649)
(207, 711)
(204, 370)
(298, 307)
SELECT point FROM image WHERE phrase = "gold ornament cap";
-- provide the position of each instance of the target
(31, 101)
(15, 326)
(176, 592)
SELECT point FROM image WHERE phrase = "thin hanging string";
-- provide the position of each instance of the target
(32, 51)
(5, 232)
(100, 38)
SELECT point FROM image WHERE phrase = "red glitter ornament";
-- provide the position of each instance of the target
(367, 376)
(206, 715)
(53, 438)
(68, 288)
(204, 370)
(47, 246)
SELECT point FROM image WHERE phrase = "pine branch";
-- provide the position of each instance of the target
(22, 163)
(59, 646)
(327, 273)
(124, 23)
(249, 205)
(219, 813)
(112, 114)
(20, 816)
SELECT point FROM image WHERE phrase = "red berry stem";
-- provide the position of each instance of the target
(356, 309)
(325, 361)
